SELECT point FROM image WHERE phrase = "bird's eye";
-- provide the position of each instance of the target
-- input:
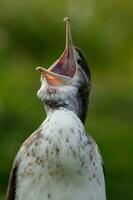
(79, 61)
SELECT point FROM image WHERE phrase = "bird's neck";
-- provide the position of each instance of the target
(73, 106)
(72, 101)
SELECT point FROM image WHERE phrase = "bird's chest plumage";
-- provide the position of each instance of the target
(58, 162)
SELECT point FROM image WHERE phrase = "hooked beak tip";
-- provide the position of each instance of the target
(66, 19)
(40, 69)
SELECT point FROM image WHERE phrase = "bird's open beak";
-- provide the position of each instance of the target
(64, 69)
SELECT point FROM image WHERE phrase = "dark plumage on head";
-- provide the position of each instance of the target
(85, 87)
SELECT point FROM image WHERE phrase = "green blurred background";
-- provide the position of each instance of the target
(32, 33)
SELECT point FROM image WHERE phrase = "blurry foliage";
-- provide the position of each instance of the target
(31, 34)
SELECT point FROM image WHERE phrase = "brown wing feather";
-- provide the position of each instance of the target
(12, 183)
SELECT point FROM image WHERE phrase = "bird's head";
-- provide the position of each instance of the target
(67, 82)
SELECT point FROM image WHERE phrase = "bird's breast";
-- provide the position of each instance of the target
(57, 156)
(59, 146)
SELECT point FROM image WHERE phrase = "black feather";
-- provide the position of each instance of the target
(12, 183)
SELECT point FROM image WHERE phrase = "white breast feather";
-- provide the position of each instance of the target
(60, 163)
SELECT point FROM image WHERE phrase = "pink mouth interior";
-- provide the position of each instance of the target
(65, 66)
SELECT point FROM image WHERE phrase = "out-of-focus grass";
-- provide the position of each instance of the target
(2, 197)
(31, 34)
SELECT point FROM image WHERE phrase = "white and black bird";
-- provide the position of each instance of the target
(60, 161)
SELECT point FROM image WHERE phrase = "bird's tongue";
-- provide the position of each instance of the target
(64, 69)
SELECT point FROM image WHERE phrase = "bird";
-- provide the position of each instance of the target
(60, 160)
